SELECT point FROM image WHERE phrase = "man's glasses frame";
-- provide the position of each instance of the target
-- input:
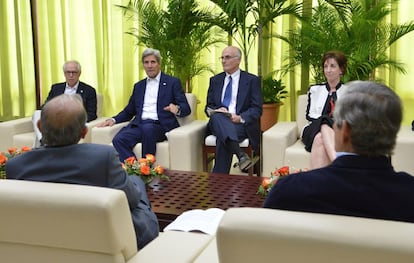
(227, 57)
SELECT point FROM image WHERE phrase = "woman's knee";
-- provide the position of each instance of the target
(317, 140)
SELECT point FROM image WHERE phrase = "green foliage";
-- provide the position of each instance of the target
(234, 17)
(358, 28)
(180, 32)
(273, 90)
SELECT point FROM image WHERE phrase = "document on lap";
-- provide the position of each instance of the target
(212, 111)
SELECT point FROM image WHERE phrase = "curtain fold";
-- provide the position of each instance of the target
(92, 32)
(17, 79)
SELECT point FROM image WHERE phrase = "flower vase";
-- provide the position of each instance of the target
(155, 184)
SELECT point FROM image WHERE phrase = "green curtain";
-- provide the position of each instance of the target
(92, 32)
(17, 78)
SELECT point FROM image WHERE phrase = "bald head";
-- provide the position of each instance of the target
(63, 120)
(230, 59)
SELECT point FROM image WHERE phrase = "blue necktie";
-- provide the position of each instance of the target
(227, 94)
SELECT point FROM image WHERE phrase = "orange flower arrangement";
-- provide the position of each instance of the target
(143, 168)
(4, 157)
(269, 182)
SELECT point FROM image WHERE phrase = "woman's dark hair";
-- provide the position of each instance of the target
(340, 58)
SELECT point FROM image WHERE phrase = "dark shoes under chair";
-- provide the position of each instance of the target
(245, 162)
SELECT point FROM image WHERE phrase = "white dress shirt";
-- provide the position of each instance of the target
(149, 109)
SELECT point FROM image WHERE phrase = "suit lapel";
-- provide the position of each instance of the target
(220, 87)
(242, 90)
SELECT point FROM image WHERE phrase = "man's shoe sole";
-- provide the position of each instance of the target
(250, 164)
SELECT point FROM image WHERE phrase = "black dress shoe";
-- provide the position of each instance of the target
(245, 163)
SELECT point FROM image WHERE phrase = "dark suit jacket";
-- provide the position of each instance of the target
(88, 164)
(87, 93)
(170, 91)
(352, 185)
(248, 105)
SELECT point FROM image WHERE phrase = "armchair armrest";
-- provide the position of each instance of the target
(10, 128)
(162, 249)
(91, 125)
(104, 135)
(275, 141)
(185, 146)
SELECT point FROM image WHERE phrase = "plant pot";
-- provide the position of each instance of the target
(270, 115)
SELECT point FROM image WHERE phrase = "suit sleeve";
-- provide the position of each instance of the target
(180, 99)
(211, 95)
(90, 103)
(254, 101)
(119, 179)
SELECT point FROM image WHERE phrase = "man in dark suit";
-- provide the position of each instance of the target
(236, 92)
(361, 180)
(63, 160)
(72, 71)
(155, 103)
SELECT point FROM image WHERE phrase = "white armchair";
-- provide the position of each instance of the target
(404, 150)
(53, 222)
(182, 150)
(282, 144)
(19, 132)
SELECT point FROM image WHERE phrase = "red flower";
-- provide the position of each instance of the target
(143, 167)
(3, 159)
(283, 171)
(12, 150)
(266, 182)
(159, 169)
(145, 170)
(142, 161)
(150, 158)
(269, 182)
(130, 160)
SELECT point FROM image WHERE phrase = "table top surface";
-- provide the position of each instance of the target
(201, 190)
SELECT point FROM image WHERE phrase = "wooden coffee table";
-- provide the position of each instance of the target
(201, 190)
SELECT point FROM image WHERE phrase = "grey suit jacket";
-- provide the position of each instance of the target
(88, 164)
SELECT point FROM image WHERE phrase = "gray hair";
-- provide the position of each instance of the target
(62, 120)
(150, 51)
(72, 61)
(374, 113)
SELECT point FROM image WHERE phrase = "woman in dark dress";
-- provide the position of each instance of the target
(318, 135)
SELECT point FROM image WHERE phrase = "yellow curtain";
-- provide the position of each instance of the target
(92, 32)
(17, 78)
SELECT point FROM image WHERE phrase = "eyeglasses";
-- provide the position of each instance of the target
(71, 72)
(227, 57)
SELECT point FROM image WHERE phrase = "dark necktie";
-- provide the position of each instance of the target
(227, 94)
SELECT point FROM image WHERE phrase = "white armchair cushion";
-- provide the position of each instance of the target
(52, 222)
(257, 234)
(211, 141)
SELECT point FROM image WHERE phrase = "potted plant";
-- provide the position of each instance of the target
(273, 92)
(180, 31)
(358, 28)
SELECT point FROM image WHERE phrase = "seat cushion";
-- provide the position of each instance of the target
(211, 141)
(296, 156)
